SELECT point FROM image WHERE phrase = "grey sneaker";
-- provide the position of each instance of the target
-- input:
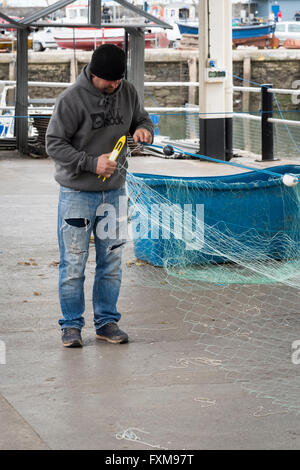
(71, 338)
(112, 333)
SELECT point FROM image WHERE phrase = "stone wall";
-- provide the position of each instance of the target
(4, 71)
(47, 73)
(166, 71)
(280, 67)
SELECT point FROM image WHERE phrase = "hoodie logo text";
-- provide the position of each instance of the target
(106, 119)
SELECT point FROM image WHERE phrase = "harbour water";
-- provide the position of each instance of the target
(246, 133)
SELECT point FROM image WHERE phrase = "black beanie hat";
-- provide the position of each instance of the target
(108, 62)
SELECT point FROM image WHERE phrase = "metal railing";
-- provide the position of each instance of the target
(252, 133)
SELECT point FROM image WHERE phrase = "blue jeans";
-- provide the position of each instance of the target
(81, 213)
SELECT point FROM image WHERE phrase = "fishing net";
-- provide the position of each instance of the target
(227, 250)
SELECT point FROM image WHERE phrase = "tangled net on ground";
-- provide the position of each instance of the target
(228, 250)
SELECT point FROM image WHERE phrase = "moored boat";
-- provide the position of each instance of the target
(9, 43)
(257, 34)
(90, 38)
(87, 38)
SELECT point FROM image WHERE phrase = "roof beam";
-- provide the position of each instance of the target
(88, 25)
(45, 11)
(32, 18)
(11, 21)
(143, 13)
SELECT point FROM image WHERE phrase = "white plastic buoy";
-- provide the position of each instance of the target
(290, 180)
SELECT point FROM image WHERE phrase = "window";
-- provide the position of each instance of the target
(280, 28)
(294, 28)
(72, 13)
(84, 12)
(184, 13)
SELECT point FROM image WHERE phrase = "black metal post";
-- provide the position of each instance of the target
(126, 45)
(228, 139)
(213, 137)
(136, 64)
(95, 12)
(21, 108)
(267, 138)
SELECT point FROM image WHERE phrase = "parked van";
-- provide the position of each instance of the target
(287, 30)
(43, 39)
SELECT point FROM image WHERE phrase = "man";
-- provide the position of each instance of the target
(88, 119)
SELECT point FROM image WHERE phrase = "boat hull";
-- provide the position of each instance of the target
(249, 35)
(88, 39)
(10, 44)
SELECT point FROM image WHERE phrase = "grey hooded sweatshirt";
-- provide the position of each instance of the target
(85, 124)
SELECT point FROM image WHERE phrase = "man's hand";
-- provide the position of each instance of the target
(105, 167)
(142, 135)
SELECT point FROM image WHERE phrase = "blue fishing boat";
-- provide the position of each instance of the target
(257, 34)
(254, 31)
(190, 27)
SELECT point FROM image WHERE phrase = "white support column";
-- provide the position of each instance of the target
(229, 80)
(215, 96)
